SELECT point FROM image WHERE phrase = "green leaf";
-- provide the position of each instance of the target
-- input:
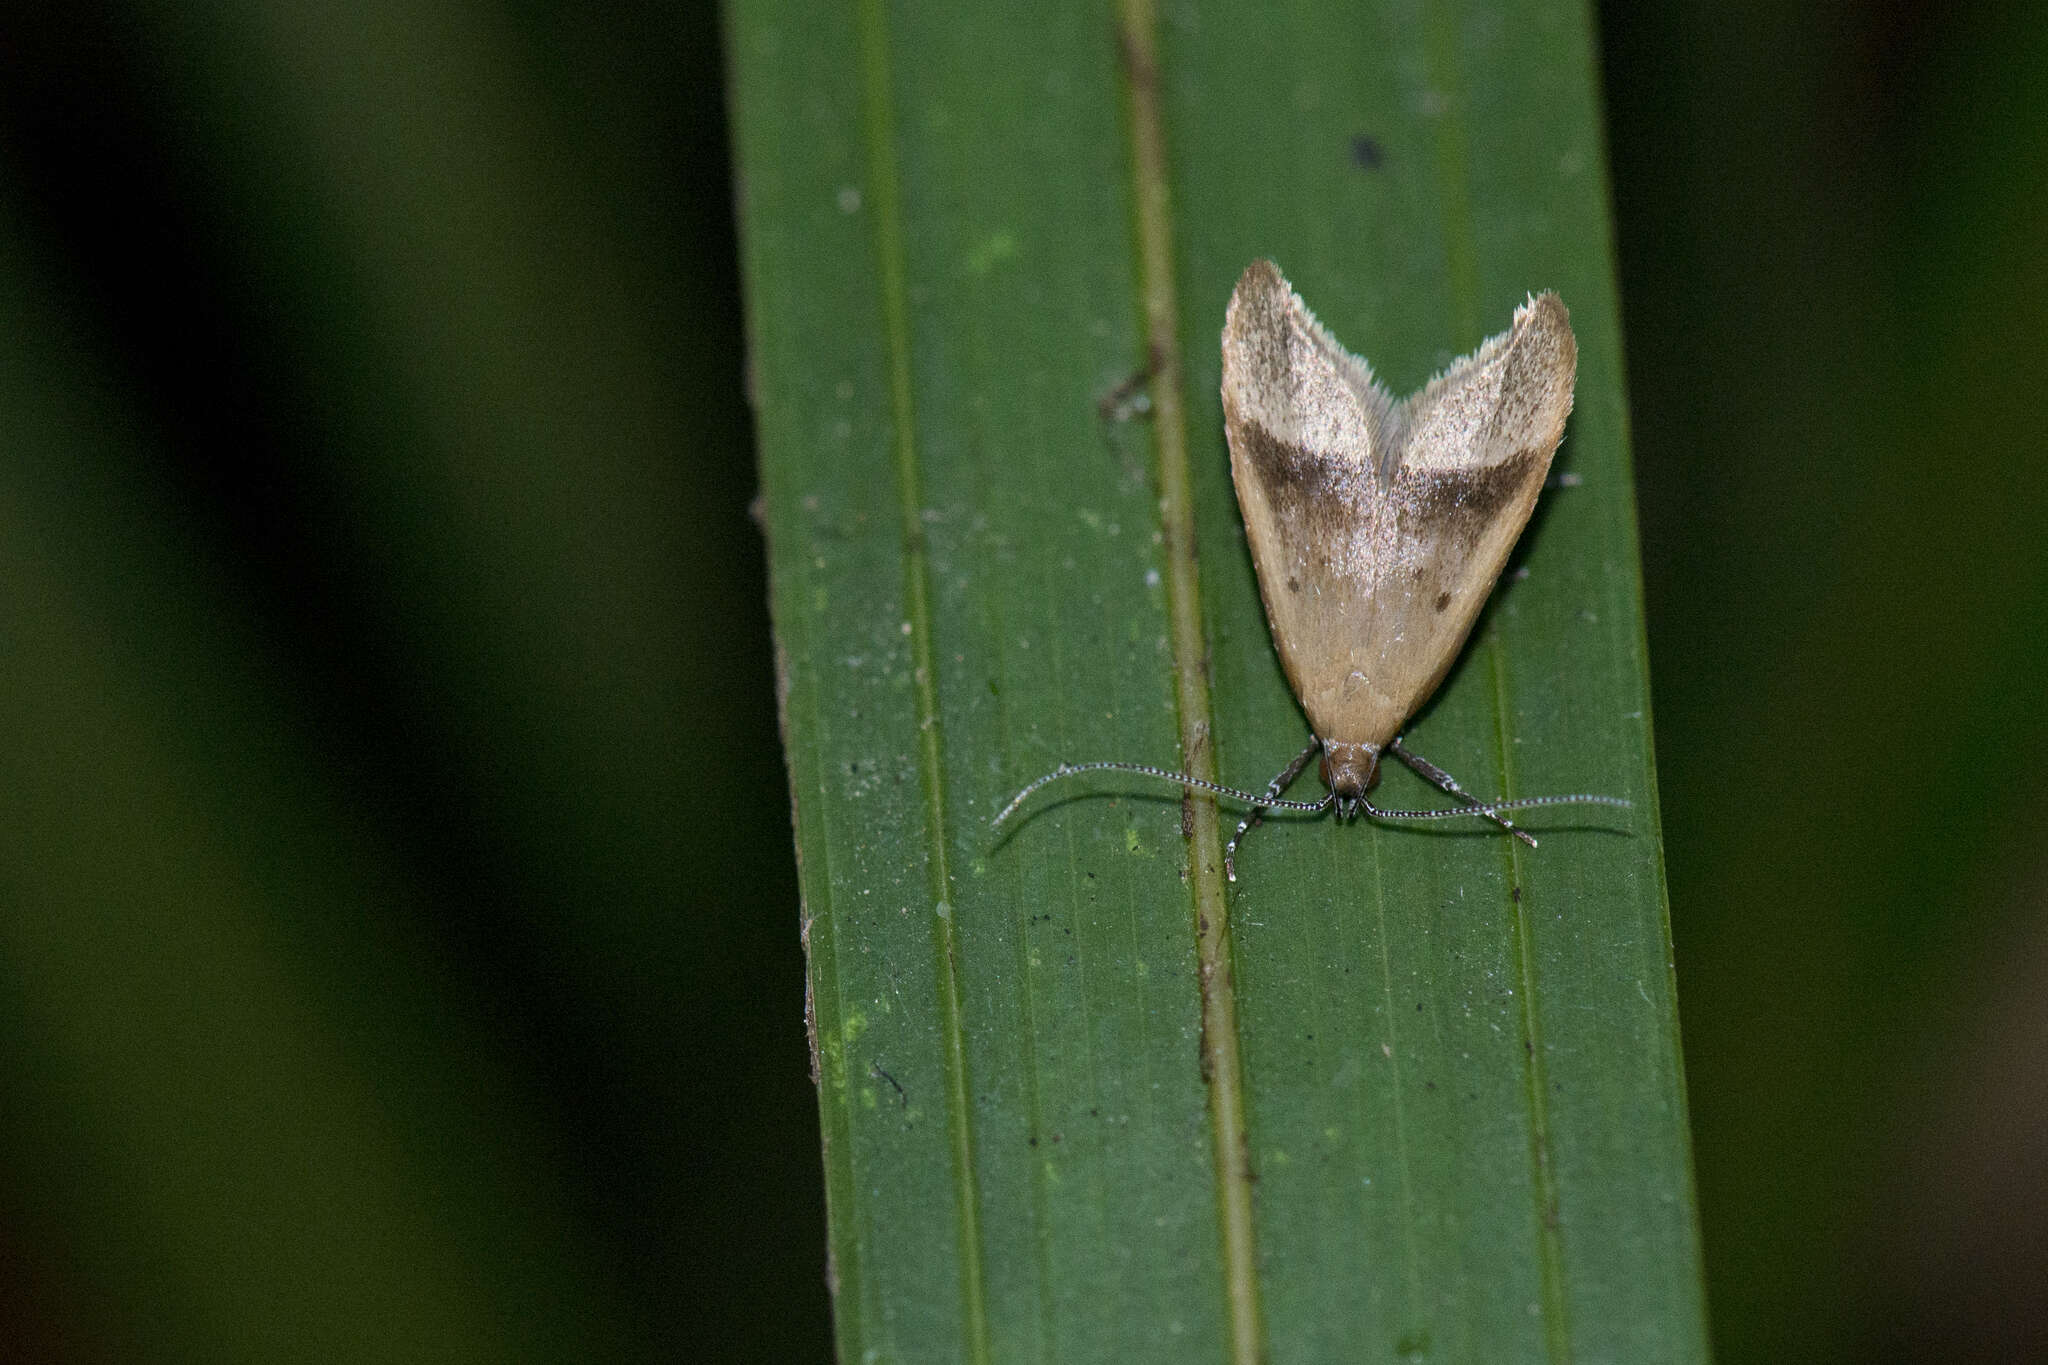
(1398, 1093)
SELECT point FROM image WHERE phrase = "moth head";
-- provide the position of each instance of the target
(1349, 771)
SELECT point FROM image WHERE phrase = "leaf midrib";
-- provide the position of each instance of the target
(1222, 1056)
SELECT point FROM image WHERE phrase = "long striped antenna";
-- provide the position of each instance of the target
(1146, 770)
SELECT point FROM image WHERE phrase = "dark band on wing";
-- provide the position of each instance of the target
(1308, 491)
(1462, 504)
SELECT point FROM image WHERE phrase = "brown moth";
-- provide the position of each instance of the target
(1377, 527)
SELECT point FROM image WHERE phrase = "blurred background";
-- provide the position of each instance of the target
(399, 954)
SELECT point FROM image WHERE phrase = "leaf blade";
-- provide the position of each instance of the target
(1092, 1192)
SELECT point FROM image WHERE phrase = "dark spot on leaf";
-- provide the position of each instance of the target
(1137, 61)
(1366, 152)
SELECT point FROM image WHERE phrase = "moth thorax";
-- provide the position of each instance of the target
(1350, 770)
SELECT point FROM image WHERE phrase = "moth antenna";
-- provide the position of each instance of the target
(1490, 808)
(1146, 770)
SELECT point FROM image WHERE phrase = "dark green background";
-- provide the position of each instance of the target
(399, 951)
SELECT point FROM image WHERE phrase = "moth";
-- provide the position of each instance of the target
(1377, 527)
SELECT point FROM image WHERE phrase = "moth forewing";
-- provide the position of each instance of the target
(1377, 528)
(1479, 443)
(1306, 424)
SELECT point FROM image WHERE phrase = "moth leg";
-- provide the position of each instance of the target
(1280, 783)
(1437, 776)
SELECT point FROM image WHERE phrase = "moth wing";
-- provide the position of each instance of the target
(1306, 425)
(1476, 447)
(1377, 529)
